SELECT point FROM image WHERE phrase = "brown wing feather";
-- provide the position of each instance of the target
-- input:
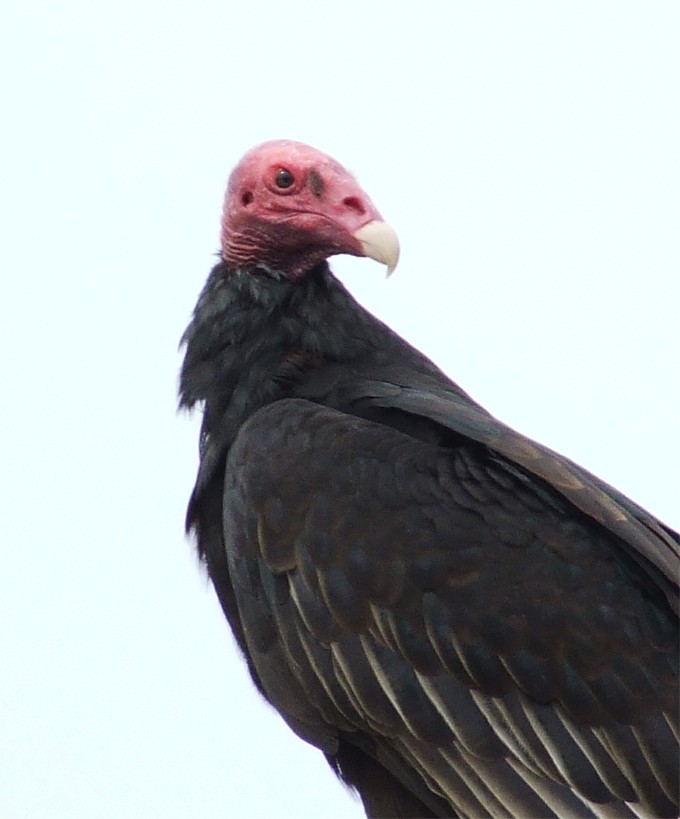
(483, 629)
(647, 541)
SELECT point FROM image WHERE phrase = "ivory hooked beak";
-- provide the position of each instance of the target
(379, 242)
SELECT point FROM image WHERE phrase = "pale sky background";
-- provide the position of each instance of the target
(528, 156)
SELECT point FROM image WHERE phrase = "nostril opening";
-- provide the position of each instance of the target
(247, 198)
(355, 204)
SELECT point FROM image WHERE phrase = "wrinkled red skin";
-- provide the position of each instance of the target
(289, 230)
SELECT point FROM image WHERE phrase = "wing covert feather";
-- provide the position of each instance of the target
(447, 602)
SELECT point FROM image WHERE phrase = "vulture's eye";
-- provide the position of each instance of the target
(284, 178)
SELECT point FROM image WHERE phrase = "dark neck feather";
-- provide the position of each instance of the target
(254, 333)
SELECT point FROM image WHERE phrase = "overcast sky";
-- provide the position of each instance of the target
(526, 153)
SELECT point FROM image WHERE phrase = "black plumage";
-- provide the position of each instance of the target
(464, 622)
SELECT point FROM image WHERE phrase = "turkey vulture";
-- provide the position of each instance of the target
(464, 622)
